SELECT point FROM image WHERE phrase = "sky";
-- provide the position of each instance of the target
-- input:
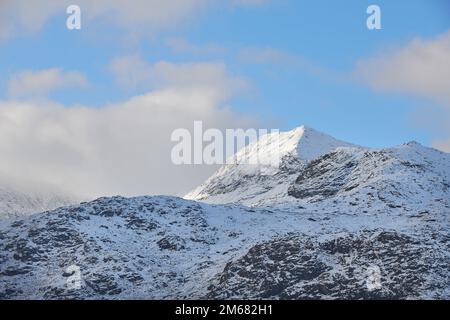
(91, 110)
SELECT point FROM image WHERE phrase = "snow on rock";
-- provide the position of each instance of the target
(334, 221)
(370, 264)
(411, 178)
(253, 184)
(165, 247)
(318, 172)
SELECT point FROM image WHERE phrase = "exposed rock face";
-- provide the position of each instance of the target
(410, 177)
(325, 177)
(318, 172)
(256, 184)
(164, 247)
(115, 242)
(331, 222)
(368, 265)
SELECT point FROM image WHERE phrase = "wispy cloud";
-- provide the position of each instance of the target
(199, 74)
(271, 56)
(133, 72)
(137, 18)
(421, 68)
(40, 83)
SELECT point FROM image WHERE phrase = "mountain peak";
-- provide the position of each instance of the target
(305, 143)
(250, 184)
(303, 129)
(312, 143)
(413, 143)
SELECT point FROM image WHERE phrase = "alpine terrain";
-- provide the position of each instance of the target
(333, 221)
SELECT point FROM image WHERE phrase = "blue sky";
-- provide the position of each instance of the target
(329, 34)
(274, 63)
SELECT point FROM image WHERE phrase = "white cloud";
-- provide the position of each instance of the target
(26, 16)
(31, 83)
(131, 72)
(288, 60)
(123, 148)
(199, 74)
(136, 73)
(420, 68)
(138, 16)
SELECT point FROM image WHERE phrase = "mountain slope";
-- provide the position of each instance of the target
(370, 264)
(164, 247)
(332, 222)
(253, 184)
(318, 172)
(408, 178)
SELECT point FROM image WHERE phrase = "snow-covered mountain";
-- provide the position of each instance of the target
(410, 178)
(255, 184)
(334, 220)
(18, 199)
(165, 247)
(318, 172)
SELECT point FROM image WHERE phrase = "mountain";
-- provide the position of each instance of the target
(256, 185)
(170, 248)
(333, 221)
(318, 172)
(17, 199)
(410, 178)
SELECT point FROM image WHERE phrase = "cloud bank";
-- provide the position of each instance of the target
(122, 148)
